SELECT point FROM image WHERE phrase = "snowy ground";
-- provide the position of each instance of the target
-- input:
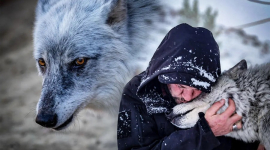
(20, 88)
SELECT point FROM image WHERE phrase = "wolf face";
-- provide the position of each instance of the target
(83, 52)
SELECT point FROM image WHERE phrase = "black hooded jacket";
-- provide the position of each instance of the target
(142, 123)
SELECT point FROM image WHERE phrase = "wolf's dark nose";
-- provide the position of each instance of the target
(46, 120)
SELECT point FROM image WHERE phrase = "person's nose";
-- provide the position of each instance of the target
(188, 94)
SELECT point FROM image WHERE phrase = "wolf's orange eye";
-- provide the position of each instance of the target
(80, 61)
(41, 62)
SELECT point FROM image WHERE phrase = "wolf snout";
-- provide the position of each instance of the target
(170, 115)
(45, 119)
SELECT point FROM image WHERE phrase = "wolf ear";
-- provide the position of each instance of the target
(241, 66)
(118, 13)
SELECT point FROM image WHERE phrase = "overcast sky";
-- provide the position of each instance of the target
(232, 13)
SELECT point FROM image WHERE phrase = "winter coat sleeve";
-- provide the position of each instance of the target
(200, 137)
(138, 130)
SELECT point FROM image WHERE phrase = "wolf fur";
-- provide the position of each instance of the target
(107, 33)
(250, 90)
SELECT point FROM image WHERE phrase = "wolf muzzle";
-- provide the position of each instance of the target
(46, 119)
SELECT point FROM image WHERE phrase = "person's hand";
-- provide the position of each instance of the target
(222, 124)
(261, 147)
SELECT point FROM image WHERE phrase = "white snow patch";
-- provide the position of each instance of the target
(200, 83)
(168, 78)
(166, 68)
(178, 58)
(202, 72)
(158, 109)
(165, 77)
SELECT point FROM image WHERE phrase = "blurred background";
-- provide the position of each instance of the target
(241, 28)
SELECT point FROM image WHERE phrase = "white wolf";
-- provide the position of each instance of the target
(250, 90)
(85, 51)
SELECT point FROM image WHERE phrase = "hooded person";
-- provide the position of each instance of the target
(187, 56)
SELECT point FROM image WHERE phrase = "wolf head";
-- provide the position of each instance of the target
(82, 52)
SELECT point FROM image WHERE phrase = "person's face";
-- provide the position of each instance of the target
(183, 93)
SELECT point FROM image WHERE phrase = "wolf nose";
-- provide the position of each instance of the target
(46, 120)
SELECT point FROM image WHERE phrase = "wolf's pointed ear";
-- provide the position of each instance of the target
(239, 67)
(118, 13)
(242, 65)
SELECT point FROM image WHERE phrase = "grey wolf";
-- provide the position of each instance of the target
(85, 51)
(250, 90)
